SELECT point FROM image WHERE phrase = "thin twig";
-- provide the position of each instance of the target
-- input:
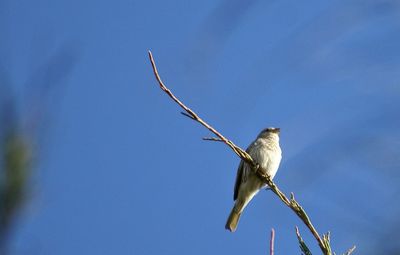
(350, 251)
(193, 115)
(291, 203)
(187, 115)
(271, 242)
(213, 139)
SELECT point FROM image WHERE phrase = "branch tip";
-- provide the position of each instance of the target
(350, 251)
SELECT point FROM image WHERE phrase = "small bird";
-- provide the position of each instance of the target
(266, 152)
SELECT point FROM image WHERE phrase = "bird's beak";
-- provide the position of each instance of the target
(277, 130)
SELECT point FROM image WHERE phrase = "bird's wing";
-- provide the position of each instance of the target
(239, 175)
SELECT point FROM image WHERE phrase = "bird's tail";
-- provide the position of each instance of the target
(233, 219)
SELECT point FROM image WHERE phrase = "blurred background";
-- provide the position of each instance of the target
(96, 159)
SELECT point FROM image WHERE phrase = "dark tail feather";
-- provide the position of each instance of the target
(233, 219)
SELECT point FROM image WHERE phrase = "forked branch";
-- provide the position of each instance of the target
(291, 203)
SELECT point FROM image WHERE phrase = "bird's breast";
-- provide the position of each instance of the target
(268, 156)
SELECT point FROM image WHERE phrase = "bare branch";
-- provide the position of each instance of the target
(194, 116)
(271, 242)
(291, 203)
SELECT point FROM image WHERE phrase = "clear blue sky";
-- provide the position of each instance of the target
(120, 171)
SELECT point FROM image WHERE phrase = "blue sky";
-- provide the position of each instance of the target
(119, 171)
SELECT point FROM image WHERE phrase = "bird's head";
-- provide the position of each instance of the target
(269, 132)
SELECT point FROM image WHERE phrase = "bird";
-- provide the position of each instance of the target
(266, 152)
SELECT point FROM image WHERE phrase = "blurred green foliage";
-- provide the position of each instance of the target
(15, 170)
